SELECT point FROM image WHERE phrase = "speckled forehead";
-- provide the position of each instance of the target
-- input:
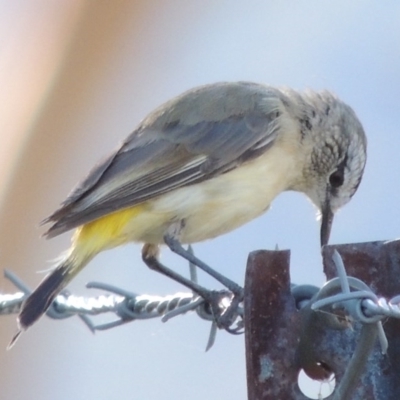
(330, 150)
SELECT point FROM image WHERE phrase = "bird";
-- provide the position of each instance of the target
(203, 164)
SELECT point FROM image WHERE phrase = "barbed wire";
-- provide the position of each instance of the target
(346, 293)
(366, 306)
(127, 306)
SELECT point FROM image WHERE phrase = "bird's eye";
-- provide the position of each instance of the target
(337, 178)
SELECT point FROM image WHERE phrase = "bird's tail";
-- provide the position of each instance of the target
(40, 299)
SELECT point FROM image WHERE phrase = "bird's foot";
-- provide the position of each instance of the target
(224, 308)
(224, 305)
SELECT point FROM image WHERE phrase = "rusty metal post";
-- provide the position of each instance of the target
(274, 327)
(271, 328)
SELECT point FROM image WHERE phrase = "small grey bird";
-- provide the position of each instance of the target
(203, 164)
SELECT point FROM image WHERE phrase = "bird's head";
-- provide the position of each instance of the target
(338, 156)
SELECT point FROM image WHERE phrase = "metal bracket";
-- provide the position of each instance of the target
(281, 339)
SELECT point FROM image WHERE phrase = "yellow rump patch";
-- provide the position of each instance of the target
(105, 232)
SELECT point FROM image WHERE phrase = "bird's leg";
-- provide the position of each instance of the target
(171, 239)
(150, 256)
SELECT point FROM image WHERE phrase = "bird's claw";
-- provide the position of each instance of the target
(224, 306)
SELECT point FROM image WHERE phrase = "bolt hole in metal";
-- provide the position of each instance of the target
(315, 388)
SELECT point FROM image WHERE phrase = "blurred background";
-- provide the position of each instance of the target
(77, 76)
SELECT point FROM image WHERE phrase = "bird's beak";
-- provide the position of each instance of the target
(326, 223)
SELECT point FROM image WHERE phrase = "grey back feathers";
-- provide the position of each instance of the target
(206, 132)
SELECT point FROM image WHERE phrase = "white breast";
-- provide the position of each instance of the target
(221, 204)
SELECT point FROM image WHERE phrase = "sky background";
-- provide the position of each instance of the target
(78, 76)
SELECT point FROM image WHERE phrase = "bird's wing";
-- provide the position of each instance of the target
(178, 145)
